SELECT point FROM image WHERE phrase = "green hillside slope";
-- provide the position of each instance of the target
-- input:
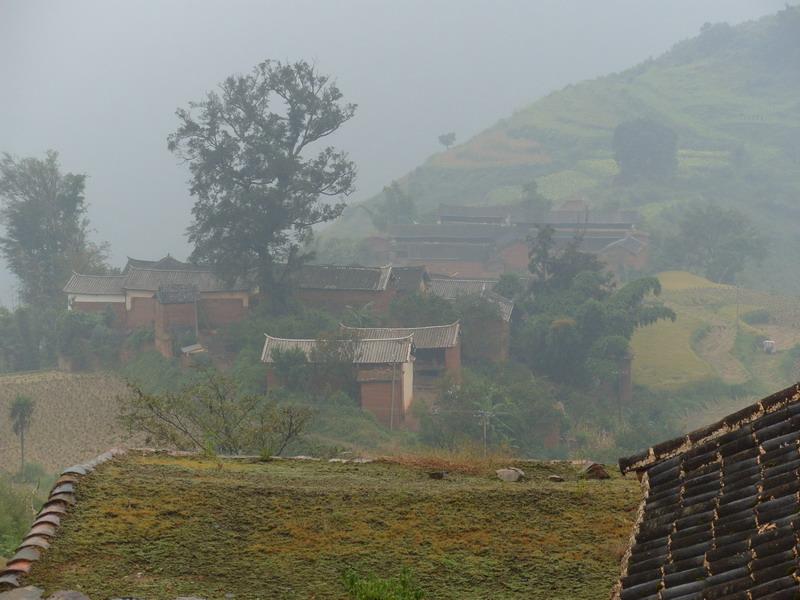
(730, 94)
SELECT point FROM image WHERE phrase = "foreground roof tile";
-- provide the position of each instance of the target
(48, 521)
(720, 516)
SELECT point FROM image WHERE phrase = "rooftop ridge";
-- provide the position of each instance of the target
(397, 339)
(670, 448)
(48, 519)
(343, 326)
(75, 273)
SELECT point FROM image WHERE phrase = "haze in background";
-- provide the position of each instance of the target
(99, 80)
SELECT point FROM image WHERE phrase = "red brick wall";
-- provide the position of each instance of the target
(171, 315)
(452, 361)
(336, 301)
(98, 307)
(142, 312)
(220, 311)
(376, 397)
(515, 258)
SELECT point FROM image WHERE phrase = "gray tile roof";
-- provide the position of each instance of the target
(365, 351)
(168, 262)
(450, 289)
(478, 252)
(721, 515)
(149, 275)
(629, 243)
(340, 277)
(410, 279)
(436, 336)
(106, 285)
(522, 215)
(152, 279)
(449, 231)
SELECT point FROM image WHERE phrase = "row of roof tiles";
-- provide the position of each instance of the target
(521, 214)
(370, 345)
(360, 351)
(140, 275)
(720, 517)
(48, 520)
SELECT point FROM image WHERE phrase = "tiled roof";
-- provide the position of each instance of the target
(106, 285)
(446, 251)
(149, 275)
(410, 279)
(48, 520)
(450, 289)
(152, 279)
(721, 513)
(451, 231)
(567, 215)
(436, 336)
(629, 243)
(383, 351)
(168, 262)
(338, 277)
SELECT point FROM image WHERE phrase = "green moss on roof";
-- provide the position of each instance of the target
(159, 527)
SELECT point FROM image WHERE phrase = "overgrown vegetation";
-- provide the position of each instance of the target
(372, 587)
(214, 415)
(301, 525)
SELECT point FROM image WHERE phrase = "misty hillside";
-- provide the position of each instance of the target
(731, 96)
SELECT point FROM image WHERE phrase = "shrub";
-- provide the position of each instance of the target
(372, 587)
(15, 517)
(759, 316)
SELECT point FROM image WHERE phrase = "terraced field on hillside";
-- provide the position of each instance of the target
(75, 417)
(710, 339)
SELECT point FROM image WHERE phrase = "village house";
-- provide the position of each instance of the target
(494, 346)
(384, 371)
(134, 296)
(720, 515)
(437, 348)
(487, 241)
(336, 288)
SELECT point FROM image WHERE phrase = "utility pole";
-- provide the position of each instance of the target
(485, 415)
(391, 412)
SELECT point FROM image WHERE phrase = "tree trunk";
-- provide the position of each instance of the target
(21, 453)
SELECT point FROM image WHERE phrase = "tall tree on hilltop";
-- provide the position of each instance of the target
(258, 188)
(21, 414)
(447, 139)
(46, 227)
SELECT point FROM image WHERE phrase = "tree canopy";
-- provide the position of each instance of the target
(716, 241)
(579, 323)
(46, 227)
(447, 139)
(259, 183)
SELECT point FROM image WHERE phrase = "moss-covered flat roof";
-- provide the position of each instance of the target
(157, 526)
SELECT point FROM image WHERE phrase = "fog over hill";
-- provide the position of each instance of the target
(99, 80)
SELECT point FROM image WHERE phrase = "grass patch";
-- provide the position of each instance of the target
(683, 280)
(160, 527)
(664, 357)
